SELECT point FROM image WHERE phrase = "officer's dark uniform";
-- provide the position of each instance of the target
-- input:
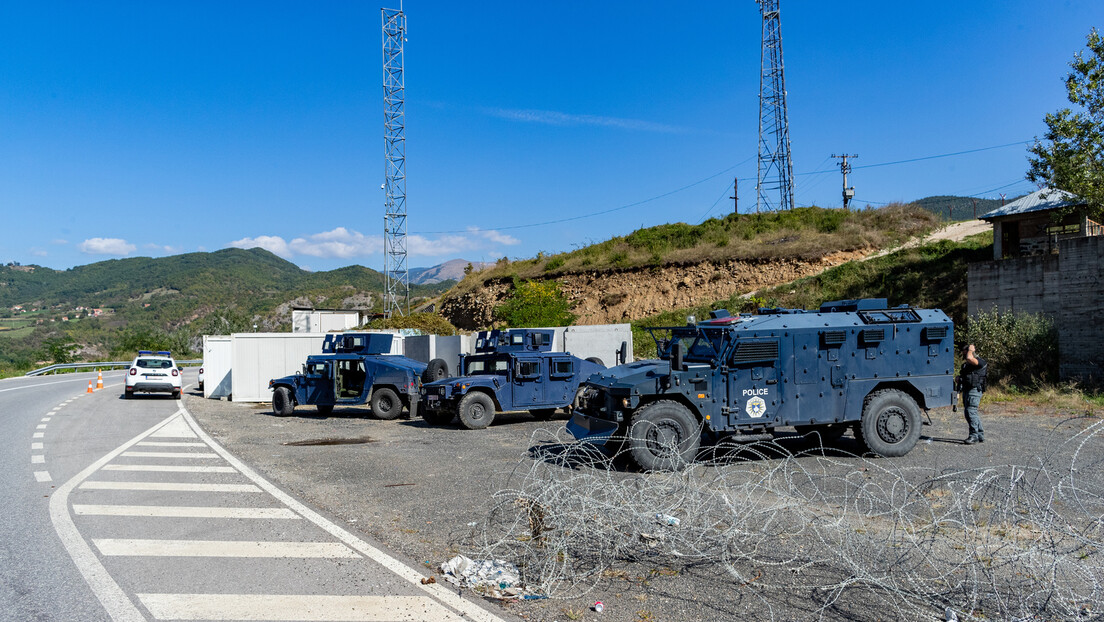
(973, 385)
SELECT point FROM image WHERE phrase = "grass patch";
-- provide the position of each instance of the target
(16, 333)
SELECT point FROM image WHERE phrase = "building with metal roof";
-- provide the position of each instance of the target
(1033, 224)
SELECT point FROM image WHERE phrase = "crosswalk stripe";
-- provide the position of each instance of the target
(183, 512)
(222, 548)
(169, 468)
(169, 486)
(167, 454)
(307, 607)
(170, 444)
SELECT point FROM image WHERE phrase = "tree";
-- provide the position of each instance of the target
(1071, 156)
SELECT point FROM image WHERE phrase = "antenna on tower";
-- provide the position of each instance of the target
(845, 168)
(775, 165)
(396, 274)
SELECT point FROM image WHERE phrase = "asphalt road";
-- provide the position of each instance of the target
(127, 510)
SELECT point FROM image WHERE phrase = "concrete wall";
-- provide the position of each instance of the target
(1067, 286)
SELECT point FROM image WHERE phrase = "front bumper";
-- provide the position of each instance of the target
(591, 429)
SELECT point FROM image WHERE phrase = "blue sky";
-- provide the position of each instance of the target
(156, 128)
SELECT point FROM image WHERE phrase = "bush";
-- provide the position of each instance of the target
(535, 303)
(427, 323)
(554, 263)
(1021, 348)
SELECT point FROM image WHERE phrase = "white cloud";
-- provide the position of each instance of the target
(59, 241)
(342, 243)
(106, 246)
(564, 119)
(38, 252)
(166, 249)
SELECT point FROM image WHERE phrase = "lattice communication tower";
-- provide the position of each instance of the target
(396, 273)
(775, 165)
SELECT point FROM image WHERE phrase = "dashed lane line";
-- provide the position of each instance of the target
(43, 476)
(38, 435)
(36, 446)
(168, 486)
(280, 607)
(172, 511)
(222, 548)
(168, 468)
(38, 459)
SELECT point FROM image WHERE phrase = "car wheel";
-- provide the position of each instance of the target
(543, 414)
(437, 417)
(436, 370)
(128, 394)
(890, 424)
(476, 411)
(282, 404)
(386, 403)
(664, 436)
(325, 409)
(596, 360)
(176, 394)
(201, 386)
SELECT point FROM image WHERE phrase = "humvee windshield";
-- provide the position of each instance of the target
(475, 367)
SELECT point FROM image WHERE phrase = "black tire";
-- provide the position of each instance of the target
(438, 417)
(128, 395)
(282, 404)
(828, 433)
(596, 360)
(543, 414)
(325, 409)
(386, 403)
(201, 386)
(664, 436)
(890, 425)
(176, 394)
(476, 410)
(436, 370)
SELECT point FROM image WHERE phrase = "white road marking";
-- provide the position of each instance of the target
(39, 434)
(43, 476)
(166, 468)
(166, 454)
(38, 459)
(45, 419)
(41, 426)
(183, 512)
(177, 429)
(312, 608)
(44, 384)
(36, 445)
(222, 548)
(170, 444)
(444, 594)
(169, 486)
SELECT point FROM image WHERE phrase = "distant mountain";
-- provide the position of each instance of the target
(960, 208)
(450, 270)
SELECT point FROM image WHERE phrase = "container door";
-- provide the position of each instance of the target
(529, 385)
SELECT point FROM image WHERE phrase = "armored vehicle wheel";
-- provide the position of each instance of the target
(543, 414)
(890, 424)
(436, 370)
(596, 360)
(476, 410)
(325, 409)
(663, 436)
(282, 404)
(437, 417)
(828, 433)
(386, 403)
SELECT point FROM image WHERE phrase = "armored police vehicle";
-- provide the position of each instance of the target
(852, 364)
(355, 369)
(510, 370)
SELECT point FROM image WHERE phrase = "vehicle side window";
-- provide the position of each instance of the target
(562, 368)
(517, 339)
(529, 369)
(316, 369)
(476, 367)
(501, 366)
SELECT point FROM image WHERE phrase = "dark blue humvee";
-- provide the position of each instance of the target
(849, 365)
(510, 370)
(355, 369)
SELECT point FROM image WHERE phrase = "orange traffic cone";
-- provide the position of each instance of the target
(89, 386)
(99, 380)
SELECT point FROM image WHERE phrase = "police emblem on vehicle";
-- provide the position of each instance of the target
(756, 407)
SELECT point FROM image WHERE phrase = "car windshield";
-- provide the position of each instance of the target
(154, 363)
(698, 345)
(482, 366)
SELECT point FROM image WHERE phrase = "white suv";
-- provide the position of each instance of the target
(153, 372)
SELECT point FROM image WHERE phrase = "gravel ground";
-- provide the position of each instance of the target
(417, 489)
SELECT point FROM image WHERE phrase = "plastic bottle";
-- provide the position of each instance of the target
(598, 606)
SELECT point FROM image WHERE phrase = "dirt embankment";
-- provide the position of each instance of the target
(631, 294)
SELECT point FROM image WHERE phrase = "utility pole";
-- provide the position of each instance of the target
(735, 196)
(395, 272)
(845, 168)
(1002, 199)
(775, 164)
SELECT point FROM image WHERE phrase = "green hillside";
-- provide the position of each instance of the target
(165, 302)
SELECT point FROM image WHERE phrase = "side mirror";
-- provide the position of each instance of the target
(623, 353)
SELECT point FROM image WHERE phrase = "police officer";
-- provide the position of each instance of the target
(972, 379)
